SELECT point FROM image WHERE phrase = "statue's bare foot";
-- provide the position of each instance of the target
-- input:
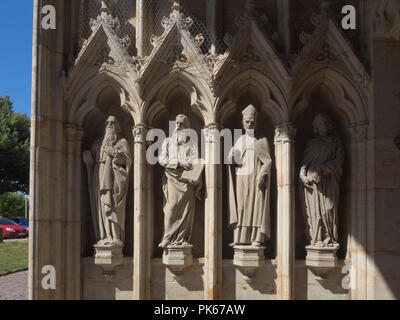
(333, 244)
(164, 244)
(256, 244)
(320, 244)
(103, 242)
(106, 242)
(328, 241)
(117, 243)
(177, 243)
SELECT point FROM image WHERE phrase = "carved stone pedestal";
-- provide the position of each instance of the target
(108, 257)
(178, 258)
(321, 257)
(248, 259)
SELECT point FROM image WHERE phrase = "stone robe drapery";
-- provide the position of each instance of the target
(249, 213)
(112, 186)
(179, 194)
(326, 155)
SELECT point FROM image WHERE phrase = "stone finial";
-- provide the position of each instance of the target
(107, 6)
(325, 5)
(177, 7)
(249, 7)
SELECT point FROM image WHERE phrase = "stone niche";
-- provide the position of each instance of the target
(107, 103)
(177, 102)
(239, 283)
(169, 282)
(266, 128)
(321, 102)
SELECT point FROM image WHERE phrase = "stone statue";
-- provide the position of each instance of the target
(320, 176)
(249, 189)
(181, 185)
(108, 166)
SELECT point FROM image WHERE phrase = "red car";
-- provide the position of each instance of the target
(11, 230)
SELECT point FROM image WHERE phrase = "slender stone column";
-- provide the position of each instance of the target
(72, 247)
(212, 14)
(284, 24)
(144, 26)
(34, 182)
(140, 18)
(141, 256)
(213, 215)
(285, 164)
(358, 238)
(47, 213)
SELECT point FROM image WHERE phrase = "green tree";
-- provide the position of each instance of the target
(12, 205)
(14, 149)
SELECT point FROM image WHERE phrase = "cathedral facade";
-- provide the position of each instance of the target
(320, 218)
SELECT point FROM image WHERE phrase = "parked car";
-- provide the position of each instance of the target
(22, 222)
(12, 230)
(1, 234)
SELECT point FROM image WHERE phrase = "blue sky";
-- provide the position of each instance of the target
(16, 52)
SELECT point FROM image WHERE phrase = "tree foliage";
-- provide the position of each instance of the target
(12, 205)
(14, 149)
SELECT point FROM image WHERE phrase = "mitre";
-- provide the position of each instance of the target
(249, 112)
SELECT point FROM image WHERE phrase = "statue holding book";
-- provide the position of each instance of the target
(182, 184)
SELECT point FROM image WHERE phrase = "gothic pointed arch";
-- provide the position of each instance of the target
(198, 93)
(272, 97)
(330, 50)
(85, 98)
(344, 93)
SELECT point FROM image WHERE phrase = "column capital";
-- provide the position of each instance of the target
(73, 133)
(211, 132)
(358, 132)
(285, 132)
(176, 8)
(139, 133)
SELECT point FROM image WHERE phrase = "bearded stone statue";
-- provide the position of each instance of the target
(108, 166)
(181, 185)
